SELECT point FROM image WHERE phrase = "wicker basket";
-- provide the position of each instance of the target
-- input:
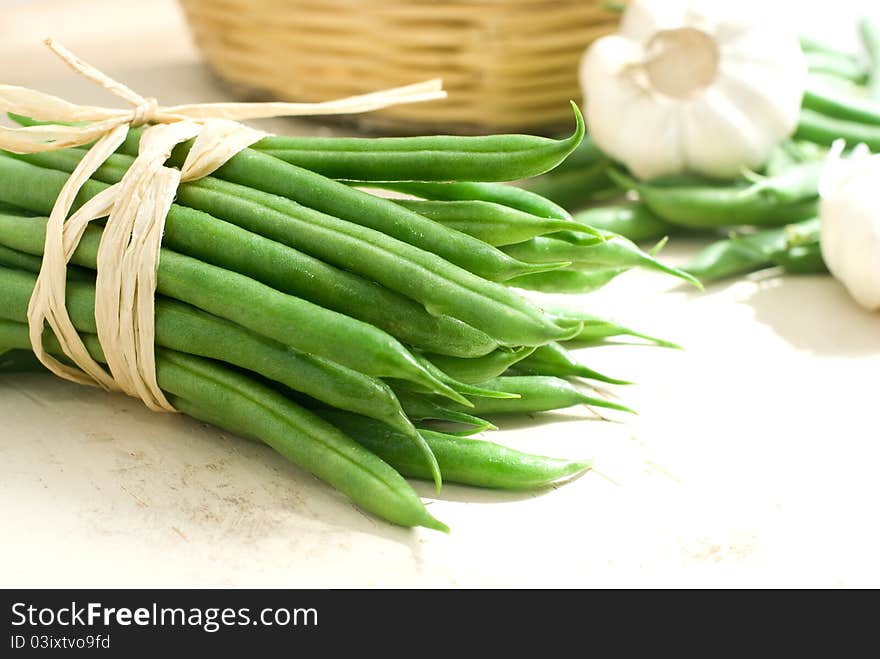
(507, 64)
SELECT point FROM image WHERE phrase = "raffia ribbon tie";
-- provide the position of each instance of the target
(135, 208)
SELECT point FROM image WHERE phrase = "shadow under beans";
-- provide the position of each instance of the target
(183, 473)
(814, 313)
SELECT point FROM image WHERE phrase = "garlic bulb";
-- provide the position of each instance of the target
(849, 213)
(707, 87)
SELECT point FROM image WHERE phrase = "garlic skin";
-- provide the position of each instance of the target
(707, 87)
(849, 212)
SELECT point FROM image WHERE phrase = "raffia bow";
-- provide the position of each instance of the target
(136, 208)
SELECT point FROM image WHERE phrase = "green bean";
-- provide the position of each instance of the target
(291, 271)
(771, 201)
(789, 247)
(15, 260)
(187, 330)
(443, 288)
(256, 172)
(870, 36)
(184, 329)
(845, 68)
(465, 461)
(537, 394)
(590, 254)
(289, 320)
(812, 45)
(506, 195)
(553, 359)
(480, 369)
(632, 221)
(209, 392)
(567, 281)
(10, 258)
(596, 329)
(732, 257)
(802, 259)
(575, 188)
(586, 153)
(492, 223)
(430, 158)
(461, 387)
(851, 109)
(422, 408)
(825, 130)
(781, 160)
(13, 210)
(802, 253)
(790, 154)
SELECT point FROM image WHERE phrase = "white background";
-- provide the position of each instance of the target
(753, 461)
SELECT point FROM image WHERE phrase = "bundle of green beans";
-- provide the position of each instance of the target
(336, 325)
(764, 219)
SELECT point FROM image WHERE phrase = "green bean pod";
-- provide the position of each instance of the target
(254, 172)
(825, 130)
(555, 360)
(291, 271)
(218, 395)
(429, 158)
(492, 223)
(585, 154)
(567, 281)
(842, 67)
(11, 258)
(590, 254)
(464, 461)
(851, 109)
(632, 221)
(443, 288)
(461, 387)
(734, 256)
(537, 394)
(596, 329)
(507, 195)
(812, 45)
(574, 188)
(424, 408)
(802, 260)
(869, 32)
(185, 329)
(13, 210)
(289, 320)
(496, 193)
(794, 247)
(772, 201)
(483, 368)
(792, 153)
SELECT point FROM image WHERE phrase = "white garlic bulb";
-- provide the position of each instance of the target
(707, 87)
(849, 213)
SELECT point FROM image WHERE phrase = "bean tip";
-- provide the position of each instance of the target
(581, 127)
(430, 522)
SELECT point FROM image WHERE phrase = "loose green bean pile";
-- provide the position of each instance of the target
(765, 219)
(298, 308)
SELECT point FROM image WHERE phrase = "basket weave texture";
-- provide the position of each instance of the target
(507, 64)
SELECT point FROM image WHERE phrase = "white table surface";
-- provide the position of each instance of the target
(753, 462)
